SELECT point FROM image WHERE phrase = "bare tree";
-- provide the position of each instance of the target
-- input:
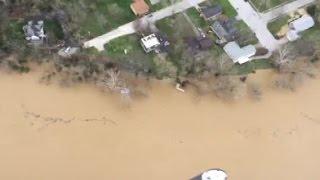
(284, 55)
(229, 87)
(224, 63)
(111, 80)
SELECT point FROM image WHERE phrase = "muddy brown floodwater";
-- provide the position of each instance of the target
(50, 133)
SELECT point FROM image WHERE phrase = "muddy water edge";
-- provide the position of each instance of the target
(80, 133)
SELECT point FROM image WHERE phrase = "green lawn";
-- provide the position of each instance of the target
(13, 36)
(162, 4)
(227, 8)
(276, 25)
(55, 28)
(250, 67)
(135, 58)
(263, 5)
(93, 18)
(195, 17)
(246, 35)
(312, 35)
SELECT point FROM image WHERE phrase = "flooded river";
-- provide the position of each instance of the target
(79, 133)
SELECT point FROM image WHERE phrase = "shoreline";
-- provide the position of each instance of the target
(165, 131)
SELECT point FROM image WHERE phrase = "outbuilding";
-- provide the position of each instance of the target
(139, 7)
(150, 43)
(302, 24)
(299, 25)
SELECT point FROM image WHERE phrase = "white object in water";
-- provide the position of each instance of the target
(125, 91)
(214, 174)
(178, 87)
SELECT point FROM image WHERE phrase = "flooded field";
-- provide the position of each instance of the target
(49, 132)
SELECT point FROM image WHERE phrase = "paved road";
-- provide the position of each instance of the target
(285, 9)
(248, 14)
(126, 29)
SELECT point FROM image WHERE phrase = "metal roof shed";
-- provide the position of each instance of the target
(302, 24)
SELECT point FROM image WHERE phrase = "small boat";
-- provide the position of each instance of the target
(212, 174)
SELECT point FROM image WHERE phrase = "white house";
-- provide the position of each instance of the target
(238, 54)
(299, 25)
(150, 43)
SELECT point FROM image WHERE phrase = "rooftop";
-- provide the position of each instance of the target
(238, 54)
(140, 7)
(210, 12)
(34, 31)
(224, 29)
(302, 24)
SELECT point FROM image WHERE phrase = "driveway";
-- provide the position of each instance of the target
(127, 29)
(248, 14)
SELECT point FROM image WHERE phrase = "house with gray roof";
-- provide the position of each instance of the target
(34, 31)
(225, 30)
(211, 12)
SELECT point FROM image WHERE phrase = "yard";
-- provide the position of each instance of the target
(246, 35)
(263, 5)
(128, 52)
(227, 8)
(195, 17)
(250, 67)
(275, 26)
(97, 17)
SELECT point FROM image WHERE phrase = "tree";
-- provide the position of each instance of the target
(284, 56)
(229, 87)
(254, 91)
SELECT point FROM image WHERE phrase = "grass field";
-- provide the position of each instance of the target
(227, 8)
(97, 17)
(263, 5)
(135, 59)
(246, 35)
(195, 17)
(276, 25)
(250, 67)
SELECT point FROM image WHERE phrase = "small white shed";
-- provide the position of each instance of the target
(150, 43)
(302, 24)
(299, 25)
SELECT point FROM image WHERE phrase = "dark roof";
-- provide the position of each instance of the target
(209, 12)
(199, 43)
(225, 28)
(205, 43)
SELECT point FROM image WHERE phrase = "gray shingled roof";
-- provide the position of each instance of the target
(209, 12)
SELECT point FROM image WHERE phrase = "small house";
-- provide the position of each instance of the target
(34, 31)
(299, 25)
(67, 52)
(154, 42)
(211, 13)
(225, 30)
(150, 43)
(238, 54)
(139, 7)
